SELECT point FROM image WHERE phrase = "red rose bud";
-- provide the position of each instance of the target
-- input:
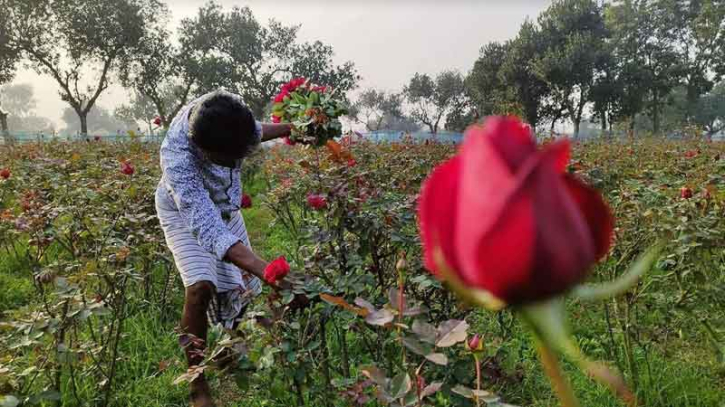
(475, 343)
(246, 201)
(351, 162)
(420, 382)
(5, 173)
(685, 193)
(530, 232)
(276, 270)
(127, 168)
(316, 201)
(691, 154)
(276, 119)
(158, 121)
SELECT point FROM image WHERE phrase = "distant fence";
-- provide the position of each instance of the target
(396, 136)
(41, 138)
(376, 136)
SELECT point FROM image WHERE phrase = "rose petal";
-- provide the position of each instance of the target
(437, 213)
(564, 249)
(487, 183)
(503, 258)
(596, 213)
(512, 139)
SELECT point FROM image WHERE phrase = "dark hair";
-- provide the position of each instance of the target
(222, 123)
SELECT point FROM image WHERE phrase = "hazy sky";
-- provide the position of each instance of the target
(389, 41)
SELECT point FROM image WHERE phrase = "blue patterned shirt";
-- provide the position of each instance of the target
(205, 194)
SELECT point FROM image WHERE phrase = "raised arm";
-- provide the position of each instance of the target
(272, 131)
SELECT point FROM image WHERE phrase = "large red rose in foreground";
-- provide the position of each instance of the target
(505, 217)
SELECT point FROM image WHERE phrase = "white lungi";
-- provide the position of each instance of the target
(235, 288)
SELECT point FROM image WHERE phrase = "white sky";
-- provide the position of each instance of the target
(388, 41)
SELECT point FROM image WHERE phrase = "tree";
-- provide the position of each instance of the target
(101, 121)
(253, 60)
(710, 112)
(701, 38)
(139, 109)
(9, 57)
(527, 88)
(18, 99)
(644, 33)
(377, 109)
(433, 99)
(19, 104)
(68, 39)
(485, 86)
(170, 75)
(573, 53)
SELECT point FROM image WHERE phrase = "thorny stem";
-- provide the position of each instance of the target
(553, 370)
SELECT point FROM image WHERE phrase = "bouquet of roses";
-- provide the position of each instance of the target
(312, 110)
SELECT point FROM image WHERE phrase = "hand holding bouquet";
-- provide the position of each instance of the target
(312, 110)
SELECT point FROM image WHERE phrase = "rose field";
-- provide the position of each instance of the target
(90, 298)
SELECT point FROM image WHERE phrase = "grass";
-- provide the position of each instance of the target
(16, 288)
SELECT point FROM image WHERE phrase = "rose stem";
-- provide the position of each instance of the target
(553, 370)
(478, 380)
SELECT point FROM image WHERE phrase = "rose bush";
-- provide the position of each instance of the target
(100, 297)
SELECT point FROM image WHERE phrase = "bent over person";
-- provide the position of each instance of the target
(198, 201)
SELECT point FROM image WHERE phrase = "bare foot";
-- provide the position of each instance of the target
(201, 394)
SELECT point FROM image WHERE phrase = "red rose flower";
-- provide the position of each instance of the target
(691, 154)
(295, 83)
(351, 162)
(320, 89)
(5, 173)
(289, 141)
(685, 193)
(276, 270)
(280, 97)
(316, 201)
(276, 119)
(504, 217)
(246, 201)
(158, 121)
(127, 168)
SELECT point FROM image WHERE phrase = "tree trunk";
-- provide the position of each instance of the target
(4, 126)
(83, 116)
(656, 113)
(577, 124)
(604, 121)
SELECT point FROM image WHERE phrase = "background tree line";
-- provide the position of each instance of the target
(86, 45)
(650, 65)
(647, 65)
(640, 63)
